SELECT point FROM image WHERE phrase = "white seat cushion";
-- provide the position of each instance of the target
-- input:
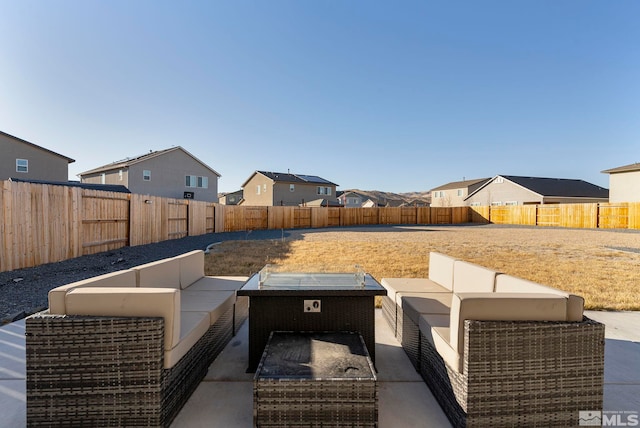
(418, 285)
(415, 304)
(215, 303)
(218, 283)
(442, 343)
(193, 325)
(427, 322)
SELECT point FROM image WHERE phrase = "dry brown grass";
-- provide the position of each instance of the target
(576, 260)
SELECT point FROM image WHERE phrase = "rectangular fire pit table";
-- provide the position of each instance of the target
(309, 302)
(315, 379)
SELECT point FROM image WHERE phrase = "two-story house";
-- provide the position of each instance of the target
(170, 173)
(453, 194)
(264, 188)
(26, 161)
(351, 199)
(624, 183)
(516, 190)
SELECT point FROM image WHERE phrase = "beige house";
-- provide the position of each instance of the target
(26, 161)
(170, 173)
(624, 183)
(515, 190)
(453, 194)
(265, 188)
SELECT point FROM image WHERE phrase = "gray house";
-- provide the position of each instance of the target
(26, 161)
(170, 173)
(231, 198)
(453, 194)
(264, 188)
(515, 190)
(351, 199)
(624, 183)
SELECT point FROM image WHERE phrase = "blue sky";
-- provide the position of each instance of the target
(394, 96)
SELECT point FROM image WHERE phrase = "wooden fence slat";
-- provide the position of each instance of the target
(5, 249)
(634, 215)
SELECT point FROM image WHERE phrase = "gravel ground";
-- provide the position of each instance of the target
(24, 291)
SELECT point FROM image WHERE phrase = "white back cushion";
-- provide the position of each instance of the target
(469, 277)
(441, 269)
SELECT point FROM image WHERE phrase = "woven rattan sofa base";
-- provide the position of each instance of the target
(409, 338)
(321, 389)
(108, 371)
(520, 373)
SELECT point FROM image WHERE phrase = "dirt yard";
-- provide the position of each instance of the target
(602, 266)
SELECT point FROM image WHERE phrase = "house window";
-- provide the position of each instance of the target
(475, 204)
(459, 192)
(194, 181)
(146, 175)
(292, 187)
(120, 175)
(320, 190)
(22, 165)
(258, 187)
(496, 204)
(499, 180)
(103, 178)
(511, 203)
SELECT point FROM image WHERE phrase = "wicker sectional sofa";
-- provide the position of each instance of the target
(128, 348)
(497, 350)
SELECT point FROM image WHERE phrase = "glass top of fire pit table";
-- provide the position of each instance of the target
(280, 277)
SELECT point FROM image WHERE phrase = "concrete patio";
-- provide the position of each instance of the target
(224, 398)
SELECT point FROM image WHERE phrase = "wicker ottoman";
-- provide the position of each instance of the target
(315, 379)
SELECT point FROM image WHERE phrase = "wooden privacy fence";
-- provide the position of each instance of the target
(622, 215)
(49, 223)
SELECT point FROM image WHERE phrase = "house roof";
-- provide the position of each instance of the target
(626, 168)
(285, 177)
(563, 187)
(460, 184)
(322, 203)
(69, 160)
(348, 193)
(104, 187)
(237, 193)
(124, 163)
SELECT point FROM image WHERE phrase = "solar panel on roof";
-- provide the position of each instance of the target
(313, 178)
